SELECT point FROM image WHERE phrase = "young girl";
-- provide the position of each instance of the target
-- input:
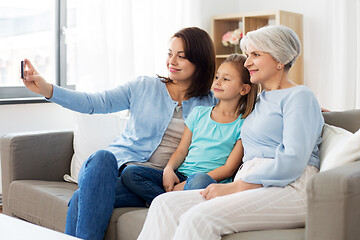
(210, 149)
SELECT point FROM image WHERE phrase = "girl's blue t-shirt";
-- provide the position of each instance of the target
(211, 142)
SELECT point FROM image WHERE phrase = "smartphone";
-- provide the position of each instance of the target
(22, 69)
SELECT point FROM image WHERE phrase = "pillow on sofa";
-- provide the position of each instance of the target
(92, 133)
(345, 152)
(332, 138)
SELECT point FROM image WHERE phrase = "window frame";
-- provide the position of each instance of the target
(21, 95)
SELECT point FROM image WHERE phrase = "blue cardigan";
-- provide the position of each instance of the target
(151, 109)
(284, 127)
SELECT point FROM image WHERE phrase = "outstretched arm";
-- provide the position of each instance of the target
(108, 101)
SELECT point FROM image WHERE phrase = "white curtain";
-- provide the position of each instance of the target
(338, 67)
(117, 40)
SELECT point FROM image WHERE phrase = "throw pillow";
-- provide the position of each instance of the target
(347, 151)
(332, 137)
(92, 133)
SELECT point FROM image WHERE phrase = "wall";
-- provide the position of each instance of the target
(321, 71)
(34, 117)
(315, 17)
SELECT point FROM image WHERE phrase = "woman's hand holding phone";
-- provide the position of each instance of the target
(33, 81)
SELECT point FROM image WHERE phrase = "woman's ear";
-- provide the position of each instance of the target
(280, 66)
(245, 89)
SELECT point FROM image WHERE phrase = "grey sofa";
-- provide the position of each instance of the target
(33, 165)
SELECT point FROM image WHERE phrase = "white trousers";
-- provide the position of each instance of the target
(187, 215)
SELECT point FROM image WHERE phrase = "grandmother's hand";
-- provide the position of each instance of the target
(218, 189)
(221, 189)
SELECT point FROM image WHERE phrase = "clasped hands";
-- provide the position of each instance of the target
(171, 182)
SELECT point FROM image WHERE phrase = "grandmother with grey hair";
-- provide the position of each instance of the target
(281, 139)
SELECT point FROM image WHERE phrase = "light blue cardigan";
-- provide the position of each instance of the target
(285, 127)
(151, 109)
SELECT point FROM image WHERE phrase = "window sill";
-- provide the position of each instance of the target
(9, 101)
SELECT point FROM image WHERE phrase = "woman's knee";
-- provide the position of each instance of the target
(101, 158)
(163, 201)
(198, 181)
(101, 163)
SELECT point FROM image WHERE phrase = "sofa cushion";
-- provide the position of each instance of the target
(129, 226)
(45, 203)
(92, 133)
(345, 152)
(277, 234)
(41, 202)
(343, 119)
(332, 137)
(111, 232)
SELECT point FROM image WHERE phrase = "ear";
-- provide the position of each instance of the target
(280, 66)
(245, 89)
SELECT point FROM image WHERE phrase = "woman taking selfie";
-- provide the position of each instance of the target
(158, 107)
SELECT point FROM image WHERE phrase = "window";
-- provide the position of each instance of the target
(31, 29)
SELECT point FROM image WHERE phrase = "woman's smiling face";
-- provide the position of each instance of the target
(179, 67)
(261, 65)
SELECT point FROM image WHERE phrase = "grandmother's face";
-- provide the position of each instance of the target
(261, 65)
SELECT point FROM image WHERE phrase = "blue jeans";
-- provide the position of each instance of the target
(147, 183)
(100, 191)
(198, 181)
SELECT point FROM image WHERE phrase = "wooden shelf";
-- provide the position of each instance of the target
(249, 21)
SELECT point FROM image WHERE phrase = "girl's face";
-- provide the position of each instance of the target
(261, 65)
(179, 67)
(227, 84)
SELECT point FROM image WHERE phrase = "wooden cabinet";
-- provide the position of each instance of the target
(249, 21)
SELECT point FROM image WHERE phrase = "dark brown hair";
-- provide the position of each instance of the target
(246, 103)
(199, 50)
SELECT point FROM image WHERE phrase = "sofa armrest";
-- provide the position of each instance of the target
(333, 204)
(35, 156)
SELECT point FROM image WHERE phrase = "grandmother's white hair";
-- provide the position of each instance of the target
(279, 41)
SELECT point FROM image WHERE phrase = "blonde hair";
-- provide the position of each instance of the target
(246, 103)
(279, 41)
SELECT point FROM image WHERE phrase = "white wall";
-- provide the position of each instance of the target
(34, 117)
(315, 17)
(318, 44)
